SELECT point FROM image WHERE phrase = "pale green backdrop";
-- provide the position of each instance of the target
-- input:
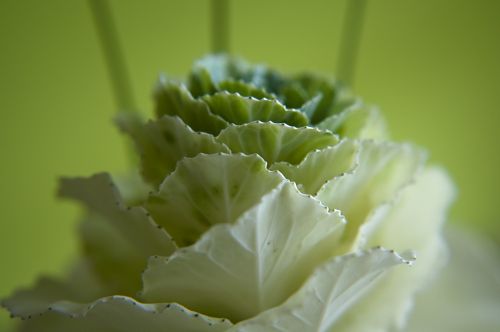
(433, 66)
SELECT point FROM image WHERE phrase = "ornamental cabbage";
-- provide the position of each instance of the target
(271, 201)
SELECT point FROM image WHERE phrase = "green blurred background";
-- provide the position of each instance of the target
(432, 66)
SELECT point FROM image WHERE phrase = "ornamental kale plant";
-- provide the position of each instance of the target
(275, 203)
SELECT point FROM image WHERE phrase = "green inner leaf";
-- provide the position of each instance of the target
(320, 166)
(237, 109)
(174, 99)
(165, 141)
(207, 190)
(276, 142)
(245, 89)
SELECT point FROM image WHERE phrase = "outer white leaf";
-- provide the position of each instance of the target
(210, 189)
(320, 166)
(422, 208)
(242, 269)
(117, 238)
(237, 109)
(81, 286)
(165, 141)
(357, 121)
(132, 187)
(415, 222)
(276, 141)
(466, 294)
(383, 170)
(99, 195)
(121, 314)
(326, 295)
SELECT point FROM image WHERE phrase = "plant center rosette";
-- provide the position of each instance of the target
(275, 203)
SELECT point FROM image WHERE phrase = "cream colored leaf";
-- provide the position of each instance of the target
(326, 295)
(383, 170)
(118, 239)
(357, 121)
(121, 314)
(414, 221)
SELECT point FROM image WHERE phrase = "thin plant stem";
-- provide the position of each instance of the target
(115, 62)
(220, 26)
(113, 55)
(350, 40)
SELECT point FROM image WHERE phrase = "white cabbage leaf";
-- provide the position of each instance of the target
(327, 294)
(382, 171)
(238, 270)
(123, 314)
(420, 208)
(118, 239)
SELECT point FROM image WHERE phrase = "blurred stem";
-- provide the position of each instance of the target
(113, 54)
(350, 40)
(115, 62)
(220, 26)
